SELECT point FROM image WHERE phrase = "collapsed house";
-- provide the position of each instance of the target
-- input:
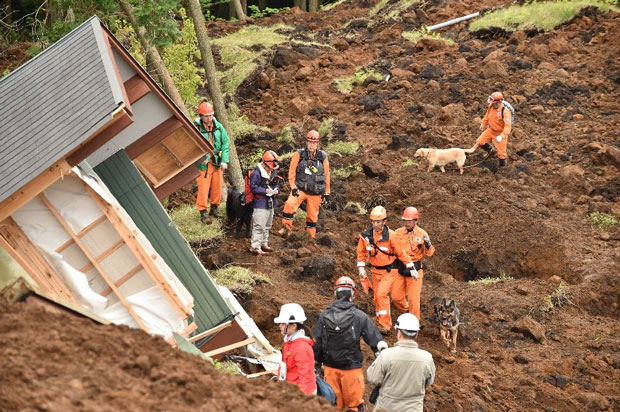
(89, 144)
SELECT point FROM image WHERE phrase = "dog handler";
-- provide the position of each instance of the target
(417, 245)
(264, 186)
(381, 247)
(211, 167)
(309, 179)
(499, 120)
(403, 371)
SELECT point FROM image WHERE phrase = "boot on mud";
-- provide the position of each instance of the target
(266, 248)
(214, 212)
(487, 147)
(502, 162)
(257, 251)
(284, 232)
(204, 217)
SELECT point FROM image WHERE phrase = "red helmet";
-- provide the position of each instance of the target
(271, 159)
(205, 108)
(495, 97)
(411, 213)
(312, 136)
(345, 283)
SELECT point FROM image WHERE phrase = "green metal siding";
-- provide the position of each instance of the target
(126, 184)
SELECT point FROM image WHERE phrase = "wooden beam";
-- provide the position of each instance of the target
(96, 264)
(136, 88)
(104, 255)
(82, 232)
(189, 174)
(228, 348)
(118, 75)
(123, 279)
(154, 136)
(33, 188)
(210, 331)
(122, 120)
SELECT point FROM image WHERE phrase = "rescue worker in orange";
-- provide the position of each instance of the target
(499, 120)
(309, 179)
(417, 244)
(381, 247)
(211, 167)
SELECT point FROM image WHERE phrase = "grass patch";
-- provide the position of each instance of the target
(286, 156)
(543, 16)
(346, 84)
(300, 215)
(556, 299)
(237, 55)
(227, 367)
(342, 147)
(330, 6)
(240, 125)
(325, 129)
(489, 280)
(357, 205)
(252, 160)
(238, 279)
(378, 7)
(344, 172)
(602, 222)
(187, 219)
(423, 33)
(408, 162)
(286, 135)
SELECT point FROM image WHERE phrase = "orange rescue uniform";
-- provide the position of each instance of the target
(313, 202)
(498, 126)
(380, 256)
(413, 242)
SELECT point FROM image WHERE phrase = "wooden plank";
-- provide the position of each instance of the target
(120, 122)
(257, 374)
(118, 75)
(154, 136)
(136, 88)
(145, 172)
(183, 147)
(141, 254)
(178, 162)
(189, 174)
(157, 162)
(33, 188)
(123, 279)
(96, 264)
(81, 233)
(228, 348)
(104, 255)
(210, 331)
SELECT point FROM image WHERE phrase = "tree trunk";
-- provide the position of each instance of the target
(214, 88)
(313, 5)
(239, 10)
(153, 57)
(262, 4)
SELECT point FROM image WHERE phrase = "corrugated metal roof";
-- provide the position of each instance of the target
(127, 185)
(53, 103)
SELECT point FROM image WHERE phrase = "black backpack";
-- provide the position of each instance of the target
(340, 346)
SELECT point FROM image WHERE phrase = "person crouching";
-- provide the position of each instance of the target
(264, 186)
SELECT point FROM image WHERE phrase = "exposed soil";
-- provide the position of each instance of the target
(527, 221)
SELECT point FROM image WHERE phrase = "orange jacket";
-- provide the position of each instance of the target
(387, 242)
(497, 123)
(292, 172)
(413, 242)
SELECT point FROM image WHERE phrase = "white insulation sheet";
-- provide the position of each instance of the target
(70, 198)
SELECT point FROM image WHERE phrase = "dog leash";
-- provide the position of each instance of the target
(474, 165)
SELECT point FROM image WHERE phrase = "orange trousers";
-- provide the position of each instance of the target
(213, 181)
(313, 202)
(382, 282)
(348, 385)
(410, 287)
(489, 136)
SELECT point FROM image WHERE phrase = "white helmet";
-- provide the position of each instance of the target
(408, 324)
(291, 313)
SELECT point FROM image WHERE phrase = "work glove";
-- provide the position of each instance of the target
(362, 272)
(382, 345)
(427, 242)
(224, 166)
(414, 273)
(325, 198)
(295, 192)
(482, 127)
(499, 138)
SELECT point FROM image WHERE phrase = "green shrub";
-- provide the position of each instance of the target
(187, 219)
(227, 367)
(240, 124)
(346, 84)
(286, 135)
(253, 159)
(357, 205)
(346, 171)
(602, 222)
(423, 33)
(342, 147)
(286, 156)
(300, 215)
(325, 129)
(556, 299)
(535, 15)
(408, 162)
(239, 280)
(489, 280)
(256, 12)
(378, 7)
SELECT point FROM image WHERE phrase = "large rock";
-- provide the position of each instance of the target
(373, 168)
(303, 73)
(340, 44)
(371, 102)
(494, 70)
(402, 74)
(300, 107)
(321, 267)
(431, 44)
(495, 55)
(400, 142)
(559, 45)
(530, 328)
(606, 155)
(571, 175)
(431, 72)
(284, 57)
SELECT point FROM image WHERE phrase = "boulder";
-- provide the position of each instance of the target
(263, 80)
(371, 102)
(284, 57)
(434, 84)
(303, 73)
(528, 327)
(401, 74)
(494, 70)
(607, 155)
(538, 52)
(571, 175)
(431, 72)
(321, 267)
(400, 142)
(495, 55)
(340, 44)
(431, 44)
(559, 45)
(300, 107)
(326, 239)
(374, 169)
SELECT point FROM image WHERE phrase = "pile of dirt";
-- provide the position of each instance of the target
(56, 361)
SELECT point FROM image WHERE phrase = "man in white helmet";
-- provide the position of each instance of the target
(404, 371)
(337, 336)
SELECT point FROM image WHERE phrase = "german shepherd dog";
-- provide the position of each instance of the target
(448, 321)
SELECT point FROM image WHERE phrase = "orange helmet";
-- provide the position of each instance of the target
(205, 108)
(495, 97)
(312, 136)
(345, 283)
(271, 159)
(378, 213)
(411, 213)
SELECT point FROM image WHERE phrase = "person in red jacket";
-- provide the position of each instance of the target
(297, 365)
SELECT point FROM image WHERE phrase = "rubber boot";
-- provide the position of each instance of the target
(214, 212)
(502, 162)
(486, 147)
(204, 217)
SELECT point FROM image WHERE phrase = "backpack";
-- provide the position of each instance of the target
(249, 196)
(505, 104)
(340, 346)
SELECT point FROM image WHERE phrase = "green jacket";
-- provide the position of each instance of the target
(220, 144)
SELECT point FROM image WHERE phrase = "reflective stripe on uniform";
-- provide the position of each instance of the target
(288, 216)
(382, 312)
(361, 264)
(310, 224)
